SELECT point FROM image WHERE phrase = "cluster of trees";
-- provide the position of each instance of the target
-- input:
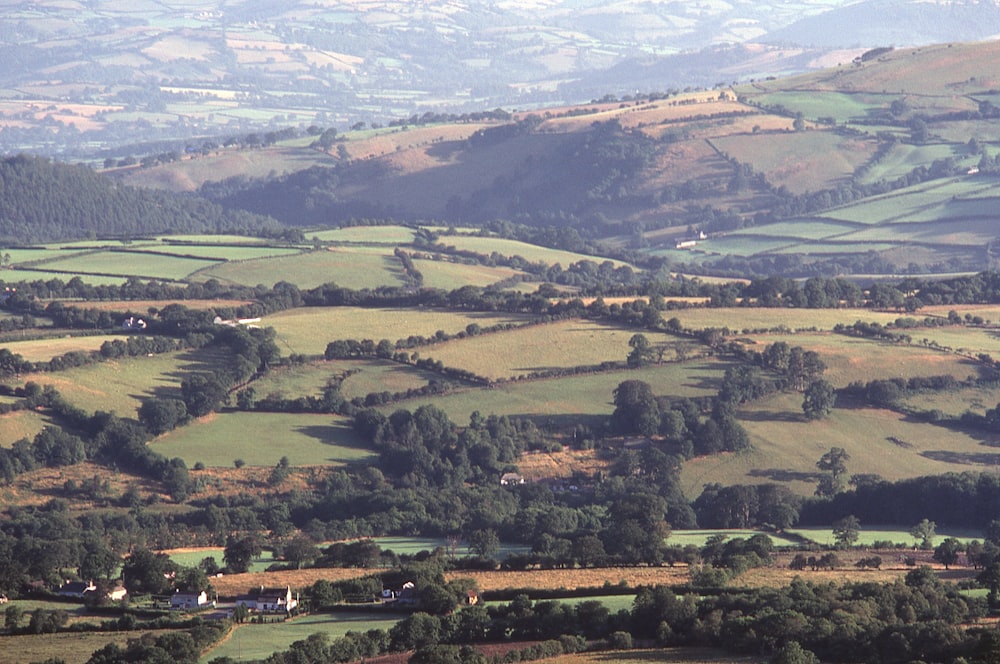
(45, 201)
(918, 618)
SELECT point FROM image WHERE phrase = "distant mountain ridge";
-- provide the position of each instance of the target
(86, 79)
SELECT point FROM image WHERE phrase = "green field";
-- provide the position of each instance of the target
(189, 558)
(308, 330)
(67, 647)
(552, 400)
(529, 252)
(450, 276)
(540, 348)
(700, 537)
(222, 252)
(42, 350)
(841, 106)
(850, 359)
(351, 267)
(392, 235)
(121, 385)
(14, 276)
(786, 447)
(882, 533)
(743, 245)
(956, 402)
(371, 376)
(261, 439)
(764, 318)
(804, 229)
(129, 264)
(257, 642)
(21, 424)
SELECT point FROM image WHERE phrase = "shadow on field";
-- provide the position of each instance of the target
(785, 475)
(772, 416)
(964, 458)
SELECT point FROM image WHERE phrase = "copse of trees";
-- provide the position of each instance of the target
(44, 201)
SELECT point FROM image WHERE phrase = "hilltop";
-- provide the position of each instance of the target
(883, 164)
(84, 79)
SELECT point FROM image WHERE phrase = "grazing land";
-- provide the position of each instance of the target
(306, 440)
(260, 641)
(309, 330)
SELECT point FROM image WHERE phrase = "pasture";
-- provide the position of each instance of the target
(541, 348)
(220, 252)
(193, 556)
(67, 647)
(391, 235)
(786, 447)
(748, 319)
(700, 537)
(120, 385)
(257, 642)
(21, 424)
(450, 276)
(806, 161)
(354, 267)
(42, 350)
(509, 248)
(570, 399)
(130, 264)
(18, 275)
(898, 535)
(850, 359)
(261, 439)
(308, 330)
(370, 376)
(954, 403)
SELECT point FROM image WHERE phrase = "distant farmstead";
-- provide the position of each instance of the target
(508, 479)
(269, 600)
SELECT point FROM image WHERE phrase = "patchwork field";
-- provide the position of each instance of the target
(150, 266)
(763, 318)
(354, 267)
(309, 329)
(68, 647)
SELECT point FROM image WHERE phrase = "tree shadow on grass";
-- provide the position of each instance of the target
(964, 458)
(335, 436)
(771, 416)
(785, 475)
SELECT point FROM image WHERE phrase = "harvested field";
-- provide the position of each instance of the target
(231, 585)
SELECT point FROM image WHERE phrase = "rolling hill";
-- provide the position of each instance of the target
(84, 79)
(885, 164)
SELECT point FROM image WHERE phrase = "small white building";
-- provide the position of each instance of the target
(269, 600)
(185, 601)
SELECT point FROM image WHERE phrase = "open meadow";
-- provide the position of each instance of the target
(21, 424)
(43, 350)
(261, 439)
(120, 385)
(849, 359)
(786, 447)
(579, 398)
(530, 252)
(67, 647)
(308, 330)
(541, 348)
(257, 642)
(350, 267)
